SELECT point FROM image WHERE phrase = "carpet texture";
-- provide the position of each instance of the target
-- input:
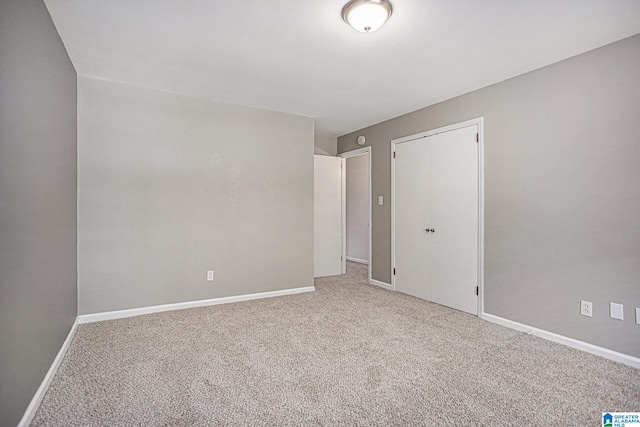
(348, 354)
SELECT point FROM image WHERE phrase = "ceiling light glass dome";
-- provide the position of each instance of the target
(367, 15)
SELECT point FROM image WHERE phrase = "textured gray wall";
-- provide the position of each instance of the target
(562, 192)
(171, 186)
(358, 207)
(37, 201)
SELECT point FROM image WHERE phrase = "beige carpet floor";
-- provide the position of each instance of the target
(348, 354)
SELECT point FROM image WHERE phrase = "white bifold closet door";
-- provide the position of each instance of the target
(436, 218)
(412, 211)
(327, 216)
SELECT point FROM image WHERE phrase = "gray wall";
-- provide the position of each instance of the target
(37, 201)
(325, 145)
(357, 197)
(171, 186)
(562, 192)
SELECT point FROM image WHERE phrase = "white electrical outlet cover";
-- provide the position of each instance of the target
(637, 315)
(586, 308)
(616, 311)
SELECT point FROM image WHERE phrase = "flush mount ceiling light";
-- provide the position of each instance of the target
(366, 16)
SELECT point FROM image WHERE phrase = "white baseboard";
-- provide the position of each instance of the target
(119, 314)
(358, 260)
(381, 284)
(37, 398)
(580, 345)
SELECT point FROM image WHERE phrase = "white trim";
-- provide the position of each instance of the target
(119, 314)
(381, 284)
(393, 214)
(479, 122)
(353, 153)
(77, 195)
(44, 386)
(444, 129)
(358, 260)
(561, 339)
(343, 214)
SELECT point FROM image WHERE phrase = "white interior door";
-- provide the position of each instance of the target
(327, 216)
(412, 207)
(454, 217)
(436, 218)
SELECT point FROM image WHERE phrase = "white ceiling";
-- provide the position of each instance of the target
(298, 56)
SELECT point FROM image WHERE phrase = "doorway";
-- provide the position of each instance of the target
(356, 208)
(437, 216)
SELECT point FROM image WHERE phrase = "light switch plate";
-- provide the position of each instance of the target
(380, 200)
(616, 311)
(637, 315)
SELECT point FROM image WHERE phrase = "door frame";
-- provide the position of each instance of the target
(354, 153)
(473, 122)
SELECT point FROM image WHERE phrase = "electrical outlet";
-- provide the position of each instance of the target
(586, 308)
(637, 315)
(210, 276)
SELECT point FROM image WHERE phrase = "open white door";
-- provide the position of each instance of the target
(327, 216)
